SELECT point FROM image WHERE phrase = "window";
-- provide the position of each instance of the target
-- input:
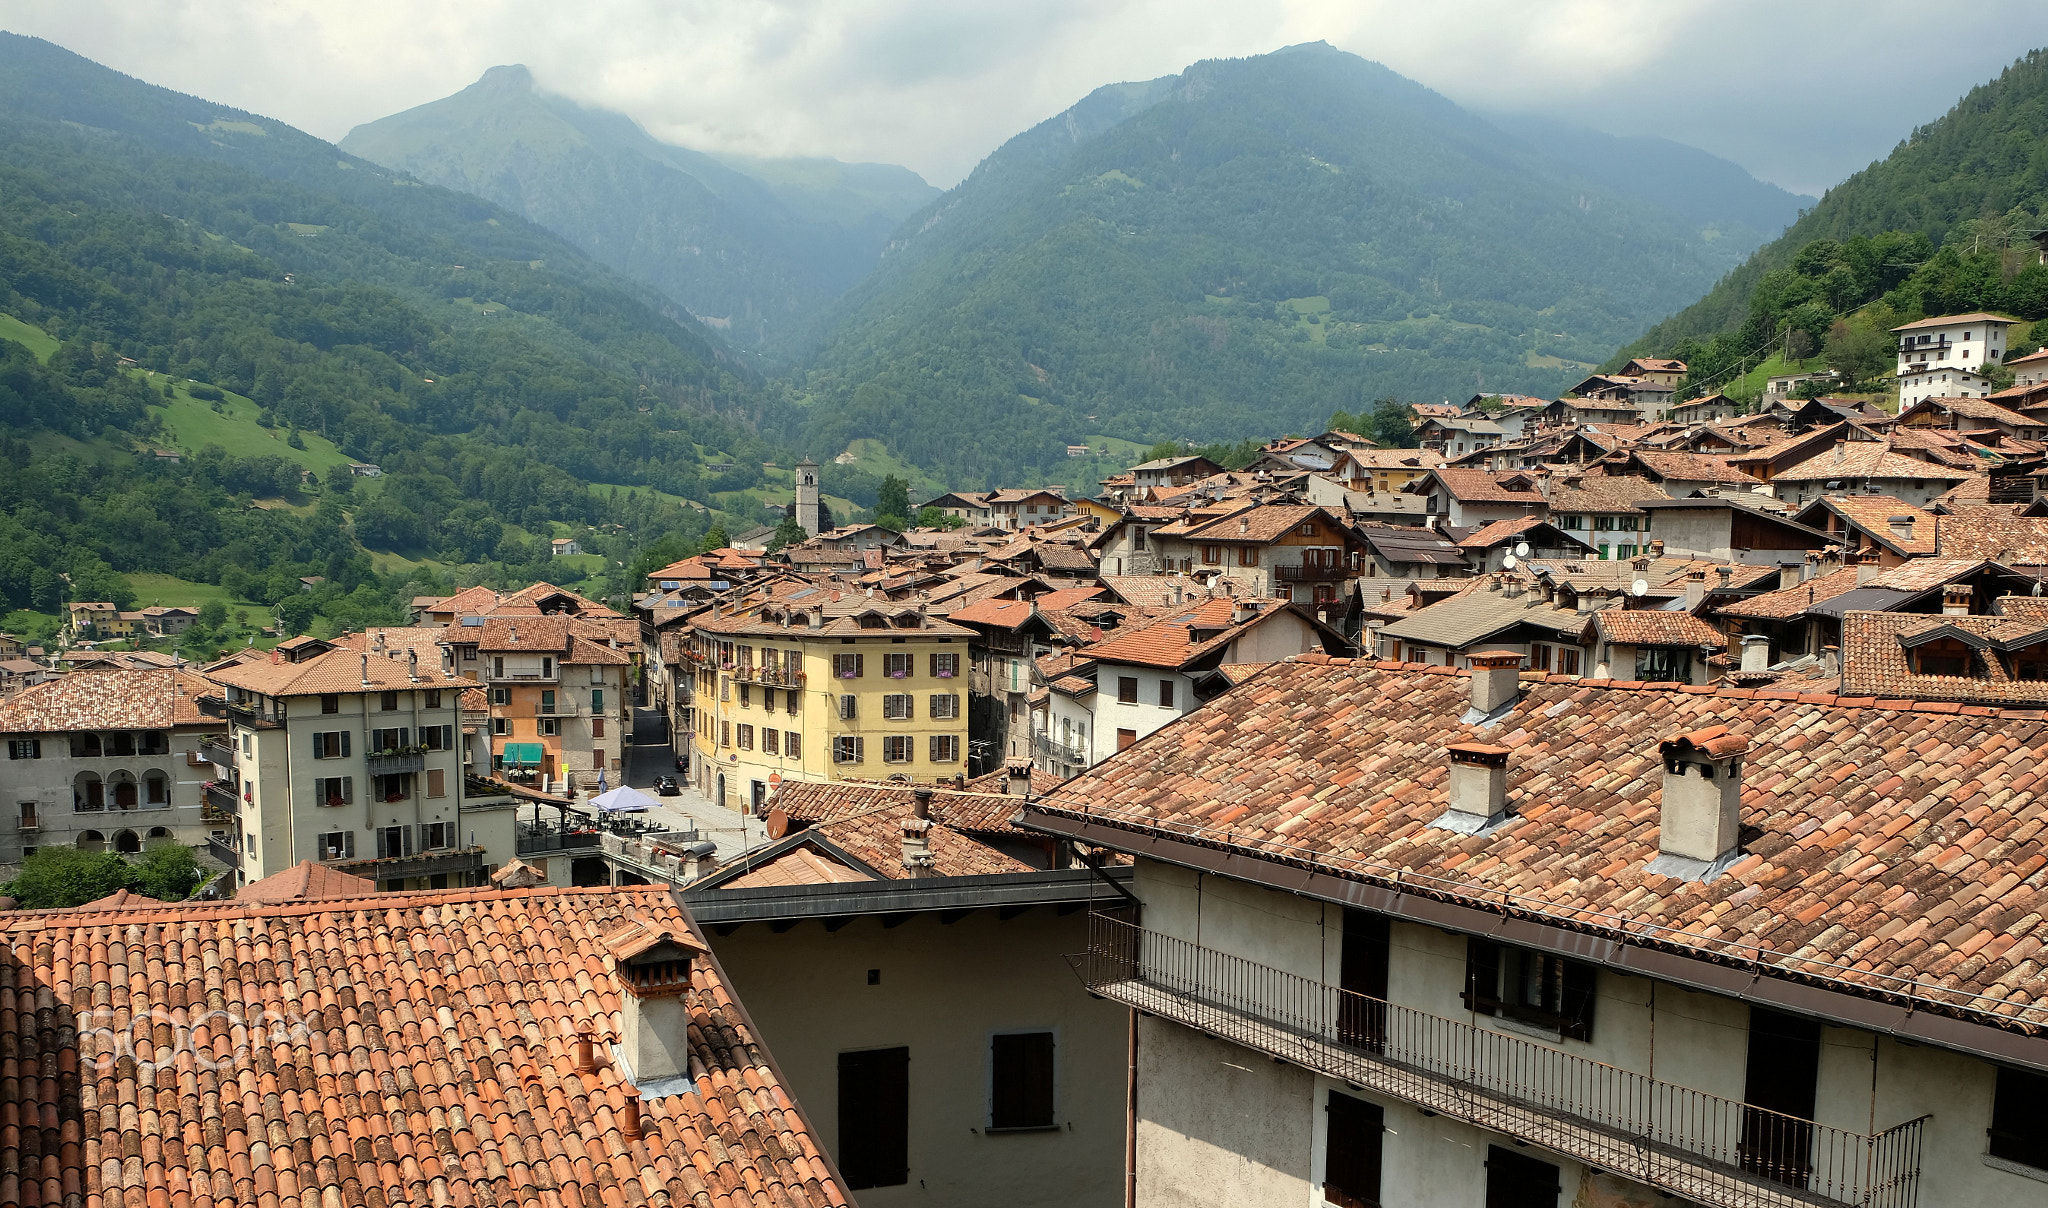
(1567, 661)
(597, 700)
(897, 707)
(1125, 738)
(899, 665)
(792, 744)
(548, 727)
(945, 706)
(846, 750)
(334, 845)
(437, 834)
(437, 782)
(1127, 689)
(547, 700)
(387, 701)
(770, 741)
(847, 666)
(2019, 1118)
(746, 696)
(849, 707)
(1355, 1132)
(501, 726)
(438, 738)
(1663, 664)
(1248, 555)
(501, 696)
(792, 703)
(1212, 555)
(1534, 987)
(469, 654)
(945, 666)
(24, 748)
(433, 699)
(390, 738)
(1516, 1180)
(1166, 693)
(334, 790)
(874, 1118)
(330, 702)
(945, 748)
(331, 744)
(1539, 657)
(725, 734)
(1943, 657)
(1021, 1081)
(746, 737)
(497, 666)
(896, 748)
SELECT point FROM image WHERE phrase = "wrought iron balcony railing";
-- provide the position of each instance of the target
(452, 861)
(218, 803)
(1314, 574)
(1059, 752)
(768, 677)
(217, 750)
(391, 765)
(1708, 1149)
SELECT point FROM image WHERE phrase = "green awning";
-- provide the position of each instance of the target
(520, 755)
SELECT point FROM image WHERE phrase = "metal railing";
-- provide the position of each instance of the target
(455, 861)
(218, 803)
(1711, 1150)
(215, 750)
(392, 765)
(1059, 752)
(228, 852)
(1314, 574)
(544, 839)
(768, 677)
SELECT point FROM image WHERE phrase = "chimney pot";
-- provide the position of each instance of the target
(629, 1115)
(586, 1054)
(917, 845)
(1955, 599)
(1831, 661)
(1700, 814)
(366, 670)
(1478, 788)
(1496, 682)
(1756, 652)
(921, 799)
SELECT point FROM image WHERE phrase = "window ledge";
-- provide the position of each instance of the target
(2019, 1168)
(1535, 1030)
(1040, 1128)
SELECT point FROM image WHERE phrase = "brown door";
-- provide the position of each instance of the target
(1778, 1095)
(1362, 976)
(1351, 1172)
(874, 1118)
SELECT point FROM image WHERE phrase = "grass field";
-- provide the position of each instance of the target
(194, 424)
(183, 593)
(34, 338)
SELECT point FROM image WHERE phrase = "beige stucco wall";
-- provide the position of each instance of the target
(1218, 1124)
(945, 990)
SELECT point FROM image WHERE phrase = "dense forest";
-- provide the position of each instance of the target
(1246, 246)
(491, 370)
(1974, 183)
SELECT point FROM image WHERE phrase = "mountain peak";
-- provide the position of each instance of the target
(506, 77)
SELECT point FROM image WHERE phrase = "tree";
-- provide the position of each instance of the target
(213, 614)
(1163, 450)
(168, 872)
(788, 533)
(59, 877)
(892, 503)
(1389, 424)
(935, 518)
(716, 539)
(295, 614)
(1858, 351)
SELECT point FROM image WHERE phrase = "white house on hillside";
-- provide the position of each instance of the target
(1945, 355)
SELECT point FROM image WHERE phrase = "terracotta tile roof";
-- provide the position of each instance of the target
(304, 882)
(1898, 849)
(1873, 514)
(1486, 536)
(1655, 627)
(1690, 467)
(1875, 663)
(337, 671)
(1180, 636)
(866, 821)
(803, 864)
(1001, 614)
(1263, 524)
(107, 700)
(1864, 459)
(585, 652)
(1152, 591)
(1614, 493)
(1924, 574)
(1979, 408)
(819, 802)
(1994, 533)
(1481, 486)
(431, 1060)
(1791, 601)
(998, 783)
(1975, 316)
(536, 634)
(474, 601)
(1067, 597)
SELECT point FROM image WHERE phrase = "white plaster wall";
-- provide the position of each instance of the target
(1220, 1125)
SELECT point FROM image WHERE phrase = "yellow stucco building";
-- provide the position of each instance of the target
(851, 689)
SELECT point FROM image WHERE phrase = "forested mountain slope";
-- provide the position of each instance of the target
(753, 246)
(1987, 158)
(492, 370)
(1240, 248)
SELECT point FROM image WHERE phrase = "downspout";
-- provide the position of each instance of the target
(1131, 1115)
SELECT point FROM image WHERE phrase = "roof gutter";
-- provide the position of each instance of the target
(1748, 981)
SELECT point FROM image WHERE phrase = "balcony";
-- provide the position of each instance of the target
(523, 677)
(218, 707)
(544, 838)
(228, 851)
(1055, 751)
(768, 677)
(1314, 574)
(1709, 1150)
(217, 750)
(454, 862)
(392, 765)
(218, 803)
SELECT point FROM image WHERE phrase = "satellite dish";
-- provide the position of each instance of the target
(1521, 549)
(1639, 588)
(1508, 562)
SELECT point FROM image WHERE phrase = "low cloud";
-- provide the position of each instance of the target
(1799, 94)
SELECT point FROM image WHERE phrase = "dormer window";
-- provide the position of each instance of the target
(1944, 656)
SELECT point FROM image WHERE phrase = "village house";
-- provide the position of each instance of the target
(1865, 467)
(1964, 343)
(562, 547)
(2031, 369)
(1009, 637)
(1458, 435)
(1416, 952)
(1603, 512)
(105, 761)
(1463, 498)
(1297, 552)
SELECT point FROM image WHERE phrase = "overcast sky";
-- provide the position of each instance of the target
(1800, 93)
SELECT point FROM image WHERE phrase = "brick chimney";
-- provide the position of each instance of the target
(1756, 652)
(917, 844)
(1699, 819)
(1955, 599)
(1496, 684)
(1478, 789)
(653, 966)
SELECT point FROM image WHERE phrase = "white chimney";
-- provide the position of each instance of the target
(1496, 683)
(366, 671)
(1955, 600)
(412, 664)
(1756, 652)
(1017, 780)
(1477, 788)
(1831, 661)
(1901, 527)
(917, 844)
(1695, 588)
(1699, 821)
(653, 967)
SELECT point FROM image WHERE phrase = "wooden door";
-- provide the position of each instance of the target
(1362, 975)
(1778, 1096)
(874, 1117)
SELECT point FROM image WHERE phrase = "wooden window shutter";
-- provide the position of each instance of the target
(1482, 976)
(1022, 1081)
(437, 782)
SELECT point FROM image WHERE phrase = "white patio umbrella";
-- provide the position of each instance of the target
(624, 799)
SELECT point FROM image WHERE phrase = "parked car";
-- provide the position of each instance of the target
(666, 786)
